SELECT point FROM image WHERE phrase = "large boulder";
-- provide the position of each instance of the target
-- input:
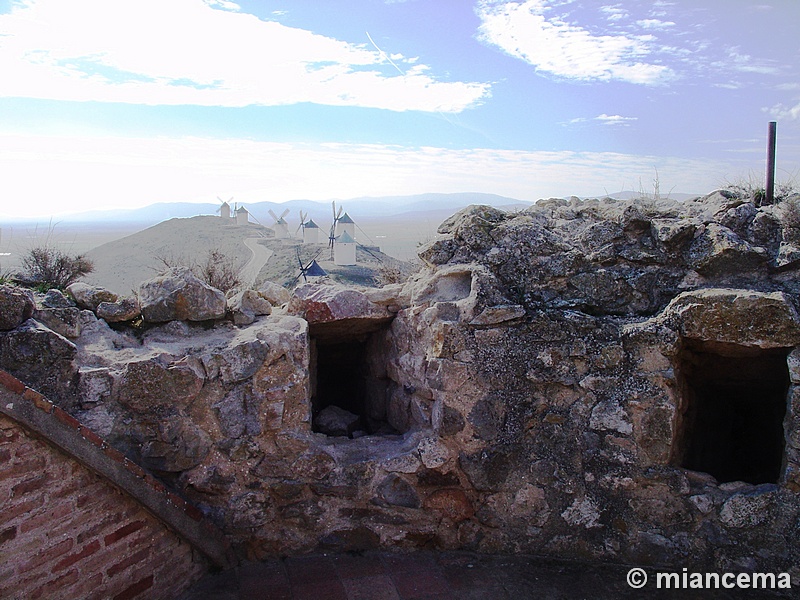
(41, 358)
(742, 317)
(335, 310)
(89, 297)
(125, 309)
(246, 305)
(16, 306)
(275, 294)
(179, 295)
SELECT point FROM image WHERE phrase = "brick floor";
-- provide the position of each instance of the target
(437, 576)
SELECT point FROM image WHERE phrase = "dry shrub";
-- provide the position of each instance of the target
(46, 267)
(219, 270)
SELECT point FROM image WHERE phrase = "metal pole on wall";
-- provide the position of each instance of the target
(770, 191)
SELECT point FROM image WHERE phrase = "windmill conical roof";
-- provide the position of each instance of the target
(345, 238)
(345, 218)
(314, 270)
(241, 209)
(312, 225)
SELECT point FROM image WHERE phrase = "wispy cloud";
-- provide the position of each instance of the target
(202, 52)
(604, 119)
(531, 31)
(77, 172)
(781, 111)
(640, 43)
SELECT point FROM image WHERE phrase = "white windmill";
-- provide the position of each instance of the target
(242, 216)
(310, 229)
(225, 209)
(345, 250)
(281, 227)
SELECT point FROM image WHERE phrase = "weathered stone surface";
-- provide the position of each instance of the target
(452, 503)
(530, 390)
(65, 321)
(396, 491)
(41, 358)
(742, 317)
(246, 305)
(275, 294)
(148, 386)
(333, 420)
(89, 297)
(179, 295)
(719, 251)
(16, 306)
(56, 299)
(318, 303)
(126, 309)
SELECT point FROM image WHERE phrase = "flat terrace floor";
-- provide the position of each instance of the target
(440, 576)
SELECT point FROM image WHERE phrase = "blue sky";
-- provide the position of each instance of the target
(122, 103)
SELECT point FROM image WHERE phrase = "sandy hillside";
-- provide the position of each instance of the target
(124, 263)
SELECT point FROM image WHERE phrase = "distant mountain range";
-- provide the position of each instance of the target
(366, 208)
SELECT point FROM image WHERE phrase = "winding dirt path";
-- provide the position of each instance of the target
(261, 254)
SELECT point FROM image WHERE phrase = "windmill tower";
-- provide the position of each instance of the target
(281, 227)
(225, 209)
(347, 225)
(310, 229)
(345, 250)
(242, 216)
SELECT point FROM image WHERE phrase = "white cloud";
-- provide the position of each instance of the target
(781, 111)
(43, 175)
(614, 12)
(615, 119)
(654, 24)
(604, 119)
(200, 52)
(529, 31)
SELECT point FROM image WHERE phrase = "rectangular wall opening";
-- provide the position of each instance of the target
(350, 389)
(733, 408)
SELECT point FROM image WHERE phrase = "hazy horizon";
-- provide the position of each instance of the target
(278, 100)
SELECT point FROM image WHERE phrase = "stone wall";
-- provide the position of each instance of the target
(67, 531)
(550, 382)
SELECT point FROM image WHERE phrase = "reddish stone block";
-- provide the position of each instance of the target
(70, 560)
(11, 383)
(66, 418)
(52, 515)
(38, 400)
(193, 512)
(123, 532)
(135, 469)
(30, 485)
(114, 454)
(27, 506)
(131, 560)
(92, 437)
(46, 555)
(56, 585)
(135, 589)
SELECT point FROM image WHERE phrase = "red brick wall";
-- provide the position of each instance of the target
(66, 532)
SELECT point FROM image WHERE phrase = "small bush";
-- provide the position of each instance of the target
(219, 271)
(46, 267)
(751, 189)
(790, 218)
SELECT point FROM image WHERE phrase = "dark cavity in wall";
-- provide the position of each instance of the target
(734, 404)
(350, 389)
